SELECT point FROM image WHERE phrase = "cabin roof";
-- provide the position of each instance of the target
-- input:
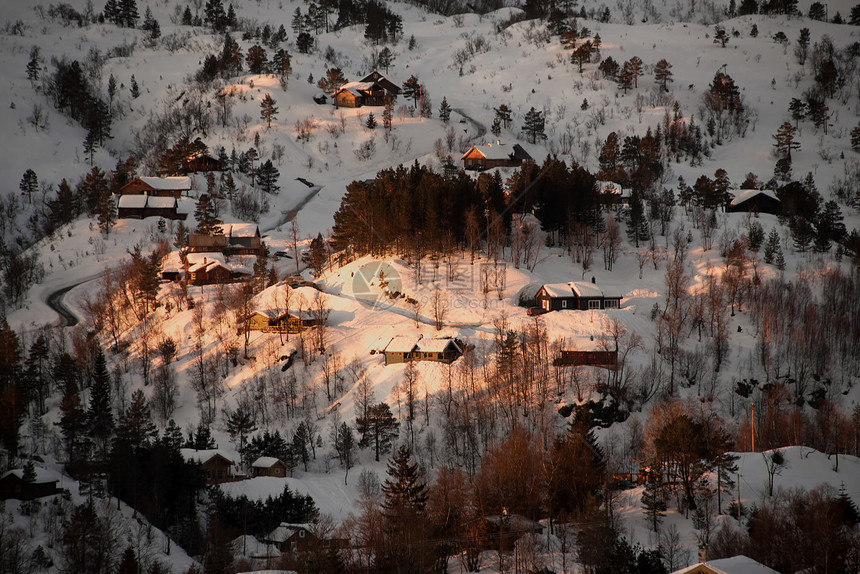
(739, 564)
(203, 456)
(265, 462)
(43, 475)
(744, 194)
(167, 183)
(132, 201)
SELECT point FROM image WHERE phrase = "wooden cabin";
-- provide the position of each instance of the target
(497, 154)
(575, 295)
(13, 485)
(143, 206)
(272, 321)
(200, 161)
(216, 465)
(607, 359)
(207, 269)
(756, 201)
(739, 564)
(390, 87)
(242, 238)
(158, 186)
(358, 94)
(403, 349)
(269, 466)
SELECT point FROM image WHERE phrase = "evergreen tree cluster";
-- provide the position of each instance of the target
(260, 517)
(435, 213)
(121, 12)
(74, 96)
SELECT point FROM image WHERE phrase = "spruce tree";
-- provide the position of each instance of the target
(370, 123)
(444, 111)
(29, 184)
(412, 89)
(534, 125)
(267, 178)
(503, 114)
(204, 213)
(268, 109)
(654, 504)
(377, 429)
(99, 414)
(34, 65)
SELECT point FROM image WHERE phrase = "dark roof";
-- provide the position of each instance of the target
(384, 82)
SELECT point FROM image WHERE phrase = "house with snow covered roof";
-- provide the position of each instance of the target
(269, 466)
(216, 464)
(754, 200)
(494, 154)
(406, 348)
(13, 485)
(200, 161)
(207, 269)
(229, 238)
(576, 296)
(143, 206)
(735, 565)
(293, 537)
(358, 94)
(158, 186)
(390, 87)
(275, 321)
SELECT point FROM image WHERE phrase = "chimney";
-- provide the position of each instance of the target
(498, 142)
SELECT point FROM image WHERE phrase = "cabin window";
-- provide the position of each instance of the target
(301, 533)
(594, 304)
(564, 304)
(547, 304)
(610, 304)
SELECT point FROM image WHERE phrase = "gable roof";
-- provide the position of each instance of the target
(401, 344)
(132, 201)
(744, 194)
(357, 88)
(198, 262)
(239, 229)
(203, 456)
(285, 530)
(182, 183)
(266, 462)
(735, 565)
(384, 82)
(436, 345)
(558, 289)
(581, 289)
(500, 150)
(43, 475)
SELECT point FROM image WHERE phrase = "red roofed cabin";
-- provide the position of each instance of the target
(498, 154)
(157, 186)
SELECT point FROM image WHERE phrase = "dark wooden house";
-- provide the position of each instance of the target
(13, 485)
(216, 466)
(294, 538)
(269, 466)
(206, 269)
(390, 87)
(158, 186)
(200, 161)
(242, 238)
(575, 295)
(143, 206)
(498, 154)
(608, 359)
(358, 94)
(754, 200)
(503, 530)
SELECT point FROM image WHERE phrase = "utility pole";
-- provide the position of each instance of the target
(739, 498)
(752, 425)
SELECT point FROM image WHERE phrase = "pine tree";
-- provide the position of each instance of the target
(582, 54)
(267, 178)
(388, 114)
(624, 79)
(785, 141)
(663, 74)
(34, 64)
(503, 114)
(134, 89)
(106, 212)
(412, 90)
(444, 111)
(496, 128)
(128, 14)
(29, 474)
(370, 123)
(533, 125)
(721, 37)
(855, 138)
(204, 213)
(377, 429)
(654, 503)
(29, 184)
(99, 415)
(316, 256)
(111, 12)
(241, 423)
(304, 43)
(257, 59)
(345, 445)
(268, 109)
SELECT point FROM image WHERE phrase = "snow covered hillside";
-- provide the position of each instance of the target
(741, 324)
